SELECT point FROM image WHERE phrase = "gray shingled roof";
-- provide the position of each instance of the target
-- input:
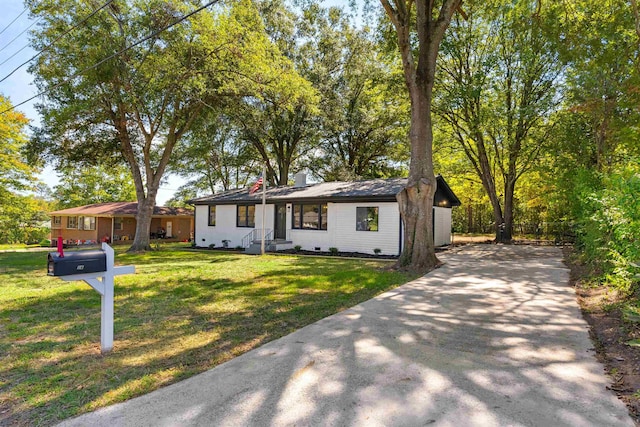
(338, 191)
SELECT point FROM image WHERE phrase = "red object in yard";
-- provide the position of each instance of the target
(60, 250)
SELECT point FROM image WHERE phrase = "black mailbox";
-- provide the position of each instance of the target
(76, 263)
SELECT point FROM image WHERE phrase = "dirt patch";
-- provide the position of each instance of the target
(609, 333)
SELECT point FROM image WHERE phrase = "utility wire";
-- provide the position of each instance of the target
(47, 47)
(14, 20)
(155, 33)
(16, 37)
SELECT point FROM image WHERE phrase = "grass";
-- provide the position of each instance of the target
(14, 246)
(183, 312)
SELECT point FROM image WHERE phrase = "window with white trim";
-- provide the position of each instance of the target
(72, 222)
(87, 223)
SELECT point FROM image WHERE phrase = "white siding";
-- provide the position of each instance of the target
(225, 228)
(348, 239)
(442, 226)
(341, 230)
(269, 220)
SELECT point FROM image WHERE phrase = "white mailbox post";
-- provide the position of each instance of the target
(102, 282)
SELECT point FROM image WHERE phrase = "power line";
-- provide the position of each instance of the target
(155, 33)
(16, 37)
(14, 20)
(53, 42)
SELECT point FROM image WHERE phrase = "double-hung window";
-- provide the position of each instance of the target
(72, 222)
(245, 216)
(367, 218)
(117, 223)
(56, 222)
(310, 216)
(87, 223)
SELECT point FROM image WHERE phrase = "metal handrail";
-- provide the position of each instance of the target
(256, 234)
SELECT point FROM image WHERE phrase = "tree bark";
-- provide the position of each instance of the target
(416, 199)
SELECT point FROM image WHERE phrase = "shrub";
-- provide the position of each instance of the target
(333, 250)
(239, 247)
(297, 248)
(377, 251)
(212, 245)
(45, 242)
(608, 226)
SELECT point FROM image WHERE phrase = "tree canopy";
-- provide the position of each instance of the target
(94, 184)
(112, 99)
(535, 106)
(22, 214)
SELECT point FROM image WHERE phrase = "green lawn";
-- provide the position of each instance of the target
(14, 246)
(183, 312)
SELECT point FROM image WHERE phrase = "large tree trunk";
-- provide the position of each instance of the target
(416, 199)
(506, 235)
(141, 241)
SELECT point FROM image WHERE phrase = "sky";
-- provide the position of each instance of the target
(19, 86)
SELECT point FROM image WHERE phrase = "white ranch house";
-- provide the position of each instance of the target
(357, 216)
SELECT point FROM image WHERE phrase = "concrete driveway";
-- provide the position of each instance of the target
(492, 338)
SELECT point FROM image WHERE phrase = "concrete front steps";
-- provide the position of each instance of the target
(269, 246)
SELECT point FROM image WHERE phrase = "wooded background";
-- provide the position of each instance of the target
(535, 105)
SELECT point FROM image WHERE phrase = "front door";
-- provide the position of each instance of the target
(169, 229)
(280, 227)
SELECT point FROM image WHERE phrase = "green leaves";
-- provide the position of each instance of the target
(15, 173)
(98, 184)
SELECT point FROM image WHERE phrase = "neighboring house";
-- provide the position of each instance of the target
(117, 222)
(357, 216)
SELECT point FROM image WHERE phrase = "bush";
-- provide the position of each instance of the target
(333, 251)
(608, 226)
(377, 251)
(45, 243)
(212, 245)
(297, 248)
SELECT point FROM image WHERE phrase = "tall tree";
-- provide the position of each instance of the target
(139, 105)
(496, 92)
(215, 158)
(20, 215)
(280, 132)
(426, 25)
(598, 43)
(15, 172)
(363, 117)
